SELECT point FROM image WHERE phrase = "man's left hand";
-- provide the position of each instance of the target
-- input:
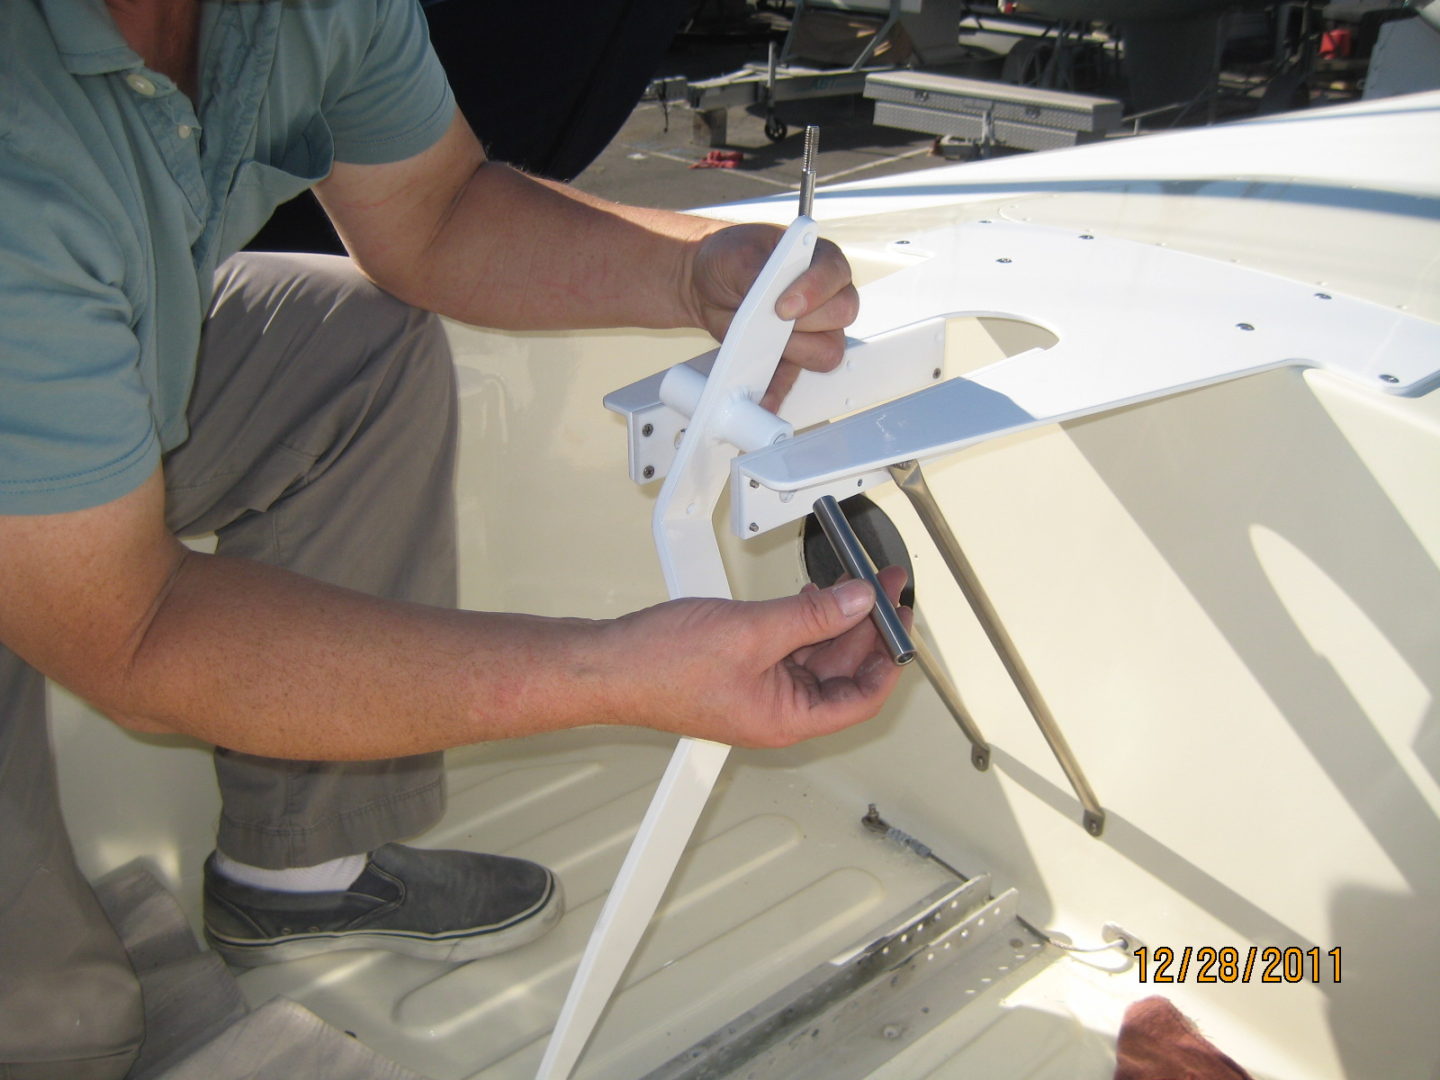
(822, 301)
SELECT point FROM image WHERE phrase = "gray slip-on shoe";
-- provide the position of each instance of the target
(435, 905)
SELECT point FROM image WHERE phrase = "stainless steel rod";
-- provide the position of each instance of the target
(934, 671)
(911, 480)
(807, 171)
(856, 563)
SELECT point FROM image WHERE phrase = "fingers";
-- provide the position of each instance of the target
(823, 297)
(780, 384)
(845, 654)
(892, 580)
(822, 302)
(761, 673)
(839, 701)
(818, 615)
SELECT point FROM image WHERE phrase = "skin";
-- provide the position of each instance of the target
(255, 658)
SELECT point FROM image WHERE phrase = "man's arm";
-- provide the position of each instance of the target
(451, 232)
(251, 657)
(257, 659)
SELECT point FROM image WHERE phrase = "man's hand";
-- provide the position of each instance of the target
(764, 674)
(822, 301)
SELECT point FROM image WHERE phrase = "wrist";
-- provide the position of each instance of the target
(692, 272)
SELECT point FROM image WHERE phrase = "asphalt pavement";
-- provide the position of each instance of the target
(657, 157)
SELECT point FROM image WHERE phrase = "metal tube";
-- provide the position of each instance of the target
(856, 562)
(909, 479)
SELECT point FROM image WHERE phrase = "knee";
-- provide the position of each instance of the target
(423, 392)
(431, 359)
(398, 357)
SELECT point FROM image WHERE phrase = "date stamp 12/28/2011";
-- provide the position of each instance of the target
(1237, 964)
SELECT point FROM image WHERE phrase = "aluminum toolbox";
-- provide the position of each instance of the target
(1015, 115)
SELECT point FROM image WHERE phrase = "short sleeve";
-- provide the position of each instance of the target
(76, 428)
(396, 100)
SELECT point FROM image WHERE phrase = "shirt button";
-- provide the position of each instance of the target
(140, 84)
(184, 131)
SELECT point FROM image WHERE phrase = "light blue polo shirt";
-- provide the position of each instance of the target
(119, 197)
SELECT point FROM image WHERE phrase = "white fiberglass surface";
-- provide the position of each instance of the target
(778, 879)
(1227, 598)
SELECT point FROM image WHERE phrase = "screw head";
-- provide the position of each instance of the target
(648, 471)
(754, 528)
(1243, 326)
(647, 430)
(1390, 378)
(1087, 236)
(935, 374)
(1323, 296)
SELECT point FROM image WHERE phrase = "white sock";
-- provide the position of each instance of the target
(333, 876)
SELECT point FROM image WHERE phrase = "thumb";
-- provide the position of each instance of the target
(817, 615)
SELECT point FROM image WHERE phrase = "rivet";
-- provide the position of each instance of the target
(902, 241)
(1086, 236)
(754, 527)
(754, 483)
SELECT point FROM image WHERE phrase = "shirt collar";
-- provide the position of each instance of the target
(86, 37)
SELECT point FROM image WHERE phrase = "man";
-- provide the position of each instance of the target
(150, 386)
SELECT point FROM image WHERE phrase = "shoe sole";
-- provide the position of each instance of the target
(454, 948)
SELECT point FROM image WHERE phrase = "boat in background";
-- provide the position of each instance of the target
(1227, 592)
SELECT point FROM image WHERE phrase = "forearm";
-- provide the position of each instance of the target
(267, 662)
(480, 242)
(521, 253)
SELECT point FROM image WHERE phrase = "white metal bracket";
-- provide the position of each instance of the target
(873, 371)
(1133, 322)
